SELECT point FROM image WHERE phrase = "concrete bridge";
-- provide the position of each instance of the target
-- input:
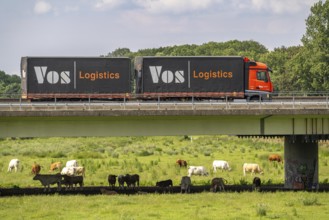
(301, 124)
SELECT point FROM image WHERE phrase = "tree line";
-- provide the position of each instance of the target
(303, 68)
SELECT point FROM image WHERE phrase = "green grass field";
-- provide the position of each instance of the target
(153, 158)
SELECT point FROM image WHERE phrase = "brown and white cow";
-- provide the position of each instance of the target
(252, 168)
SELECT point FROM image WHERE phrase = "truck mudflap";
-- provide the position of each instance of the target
(252, 95)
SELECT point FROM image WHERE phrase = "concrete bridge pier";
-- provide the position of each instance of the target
(301, 163)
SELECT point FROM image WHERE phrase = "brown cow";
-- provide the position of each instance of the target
(55, 166)
(181, 163)
(36, 168)
(275, 157)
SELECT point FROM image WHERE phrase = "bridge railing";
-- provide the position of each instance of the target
(282, 100)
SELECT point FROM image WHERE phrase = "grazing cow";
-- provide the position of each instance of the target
(185, 184)
(256, 183)
(220, 164)
(217, 184)
(133, 180)
(122, 179)
(72, 163)
(55, 166)
(13, 164)
(80, 170)
(275, 157)
(165, 184)
(69, 171)
(252, 168)
(197, 170)
(112, 180)
(36, 168)
(69, 181)
(49, 179)
(181, 163)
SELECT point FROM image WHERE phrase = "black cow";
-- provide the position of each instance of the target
(165, 184)
(256, 183)
(134, 179)
(112, 179)
(69, 181)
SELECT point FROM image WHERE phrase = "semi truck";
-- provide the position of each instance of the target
(231, 77)
(208, 77)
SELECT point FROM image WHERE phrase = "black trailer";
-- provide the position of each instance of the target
(75, 77)
(206, 77)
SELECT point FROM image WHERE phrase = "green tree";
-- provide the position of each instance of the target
(315, 57)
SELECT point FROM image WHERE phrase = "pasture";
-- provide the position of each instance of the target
(153, 158)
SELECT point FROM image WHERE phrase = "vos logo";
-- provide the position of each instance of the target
(166, 76)
(52, 77)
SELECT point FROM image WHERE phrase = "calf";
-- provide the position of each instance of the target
(256, 183)
(217, 184)
(220, 164)
(185, 184)
(112, 180)
(181, 163)
(69, 181)
(13, 164)
(197, 170)
(49, 179)
(35, 168)
(252, 168)
(55, 166)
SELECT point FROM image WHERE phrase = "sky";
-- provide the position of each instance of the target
(97, 27)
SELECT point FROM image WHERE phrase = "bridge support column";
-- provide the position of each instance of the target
(300, 163)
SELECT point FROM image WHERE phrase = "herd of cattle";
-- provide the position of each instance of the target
(73, 174)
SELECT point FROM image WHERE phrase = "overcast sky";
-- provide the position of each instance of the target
(97, 27)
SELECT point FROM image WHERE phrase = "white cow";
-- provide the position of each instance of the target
(71, 163)
(69, 171)
(197, 170)
(251, 167)
(220, 164)
(13, 164)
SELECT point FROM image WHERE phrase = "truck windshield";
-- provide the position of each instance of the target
(262, 75)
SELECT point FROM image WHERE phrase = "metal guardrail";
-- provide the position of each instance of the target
(20, 105)
(282, 100)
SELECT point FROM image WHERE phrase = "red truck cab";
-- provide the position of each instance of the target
(259, 85)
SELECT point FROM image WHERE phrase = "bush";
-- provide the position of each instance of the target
(261, 210)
